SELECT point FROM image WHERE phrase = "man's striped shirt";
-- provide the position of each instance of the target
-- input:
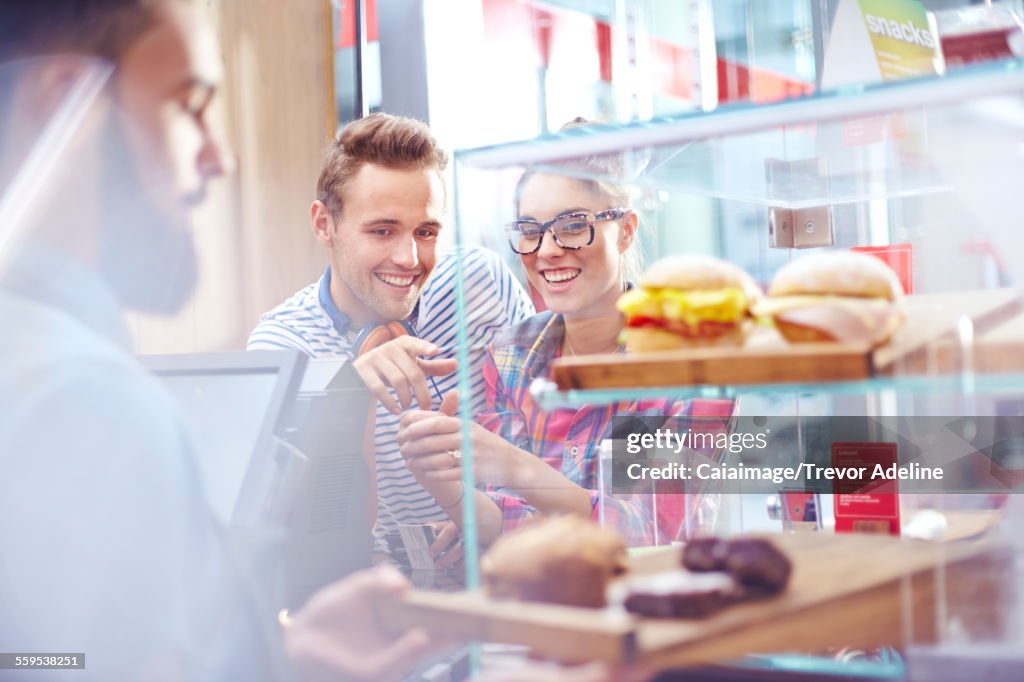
(494, 301)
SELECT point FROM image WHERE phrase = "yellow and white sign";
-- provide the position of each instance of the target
(904, 42)
(880, 40)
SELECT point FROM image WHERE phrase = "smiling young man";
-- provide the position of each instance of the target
(378, 214)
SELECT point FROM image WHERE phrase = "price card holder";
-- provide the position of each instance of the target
(864, 505)
(800, 510)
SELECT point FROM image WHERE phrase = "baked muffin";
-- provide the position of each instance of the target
(561, 560)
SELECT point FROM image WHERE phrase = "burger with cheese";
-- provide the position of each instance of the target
(688, 301)
(838, 296)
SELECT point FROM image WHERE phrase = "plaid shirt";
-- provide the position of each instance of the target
(569, 440)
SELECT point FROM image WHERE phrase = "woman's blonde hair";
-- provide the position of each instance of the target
(582, 169)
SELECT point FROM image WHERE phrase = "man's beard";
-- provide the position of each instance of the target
(147, 253)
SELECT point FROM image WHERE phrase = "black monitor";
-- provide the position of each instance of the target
(280, 444)
(233, 404)
(331, 522)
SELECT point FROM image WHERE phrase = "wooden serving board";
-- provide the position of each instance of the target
(931, 328)
(846, 590)
(1000, 349)
(918, 346)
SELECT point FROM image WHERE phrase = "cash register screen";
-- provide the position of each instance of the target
(225, 414)
(232, 404)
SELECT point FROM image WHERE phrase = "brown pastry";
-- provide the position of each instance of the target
(705, 554)
(680, 594)
(755, 563)
(758, 565)
(564, 560)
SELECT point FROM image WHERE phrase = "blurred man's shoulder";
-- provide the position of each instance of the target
(53, 355)
(50, 335)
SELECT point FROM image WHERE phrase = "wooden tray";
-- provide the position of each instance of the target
(922, 344)
(1000, 349)
(846, 590)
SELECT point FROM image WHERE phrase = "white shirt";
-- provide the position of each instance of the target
(107, 543)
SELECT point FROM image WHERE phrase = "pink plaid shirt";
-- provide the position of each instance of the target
(569, 440)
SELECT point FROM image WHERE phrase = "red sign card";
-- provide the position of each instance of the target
(899, 257)
(866, 506)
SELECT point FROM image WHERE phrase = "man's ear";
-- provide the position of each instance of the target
(322, 224)
(39, 90)
(47, 83)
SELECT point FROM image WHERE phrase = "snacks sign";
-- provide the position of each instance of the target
(880, 40)
(901, 36)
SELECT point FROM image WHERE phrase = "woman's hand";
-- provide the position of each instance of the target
(435, 470)
(446, 550)
(431, 444)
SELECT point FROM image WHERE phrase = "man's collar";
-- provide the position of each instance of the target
(340, 320)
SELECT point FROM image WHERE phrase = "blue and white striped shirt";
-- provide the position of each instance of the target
(494, 301)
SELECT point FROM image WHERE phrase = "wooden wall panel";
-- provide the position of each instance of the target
(277, 112)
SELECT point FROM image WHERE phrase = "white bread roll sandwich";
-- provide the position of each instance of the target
(837, 296)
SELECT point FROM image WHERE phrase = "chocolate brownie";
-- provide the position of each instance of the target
(754, 562)
(680, 594)
(705, 554)
(758, 565)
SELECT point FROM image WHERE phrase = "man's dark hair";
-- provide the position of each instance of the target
(102, 28)
(94, 28)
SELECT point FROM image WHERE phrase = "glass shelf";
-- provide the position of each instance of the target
(803, 664)
(856, 144)
(549, 397)
(929, 166)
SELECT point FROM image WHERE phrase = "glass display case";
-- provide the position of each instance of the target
(923, 173)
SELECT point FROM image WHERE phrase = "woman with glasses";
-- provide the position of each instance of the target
(576, 239)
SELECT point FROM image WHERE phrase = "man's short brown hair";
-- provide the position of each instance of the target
(381, 139)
